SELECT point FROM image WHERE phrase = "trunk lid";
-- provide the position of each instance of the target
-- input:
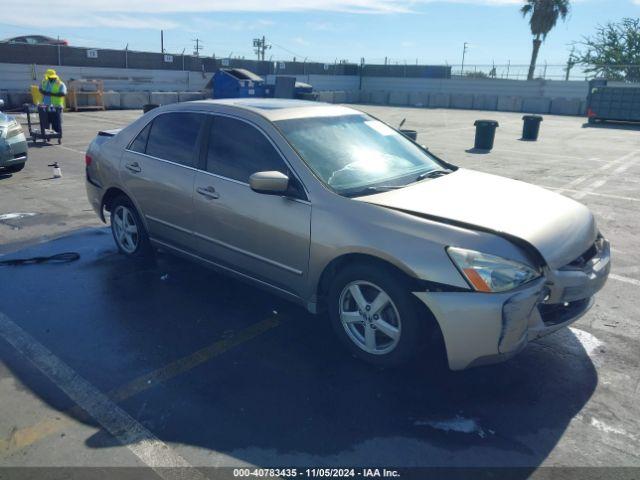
(561, 229)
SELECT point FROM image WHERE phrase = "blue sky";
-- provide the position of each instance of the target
(429, 31)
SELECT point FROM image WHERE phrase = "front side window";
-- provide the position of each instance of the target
(353, 152)
(174, 137)
(237, 150)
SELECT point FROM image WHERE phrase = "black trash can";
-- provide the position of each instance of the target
(485, 134)
(531, 127)
(149, 106)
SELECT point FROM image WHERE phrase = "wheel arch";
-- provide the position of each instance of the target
(348, 259)
(110, 195)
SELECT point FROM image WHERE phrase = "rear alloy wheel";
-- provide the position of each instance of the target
(375, 315)
(128, 231)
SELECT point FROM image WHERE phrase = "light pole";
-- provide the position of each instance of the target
(464, 53)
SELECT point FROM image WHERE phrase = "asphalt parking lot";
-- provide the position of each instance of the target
(105, 362)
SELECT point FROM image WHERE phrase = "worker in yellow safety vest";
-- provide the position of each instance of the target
(53, 91)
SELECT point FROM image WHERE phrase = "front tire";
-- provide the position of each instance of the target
(15, 168)
(375, 316)
(128, 230)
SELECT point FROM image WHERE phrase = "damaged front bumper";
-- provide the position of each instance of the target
(483, 328)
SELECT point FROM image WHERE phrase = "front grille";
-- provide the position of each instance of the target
(585, 258)
(554, 314)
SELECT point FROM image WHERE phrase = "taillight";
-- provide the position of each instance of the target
(87, 160)
(591, 113)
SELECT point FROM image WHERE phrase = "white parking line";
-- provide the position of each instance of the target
(71, 149)
(141, 442)
(600, 171)
(605, 195)
(620, 278)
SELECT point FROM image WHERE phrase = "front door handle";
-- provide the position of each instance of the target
(133, 167)
(208, 192)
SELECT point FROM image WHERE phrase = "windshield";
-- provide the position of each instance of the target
(354, 153)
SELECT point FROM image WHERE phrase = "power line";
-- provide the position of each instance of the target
(287, 50)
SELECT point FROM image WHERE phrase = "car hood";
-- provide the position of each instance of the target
(560, 229)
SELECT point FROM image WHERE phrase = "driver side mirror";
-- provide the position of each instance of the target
(269, 183)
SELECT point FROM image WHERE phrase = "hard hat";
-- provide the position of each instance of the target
(50, 73)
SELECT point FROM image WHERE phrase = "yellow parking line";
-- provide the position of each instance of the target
(20, 438)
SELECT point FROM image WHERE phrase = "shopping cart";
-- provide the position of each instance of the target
(41, 129)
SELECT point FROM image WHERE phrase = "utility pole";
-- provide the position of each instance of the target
(260, 47)
(465, 47)
(161, 41)
(198, 46)
(570, 63)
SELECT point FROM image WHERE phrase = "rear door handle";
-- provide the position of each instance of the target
(133, 167)
(208, 192)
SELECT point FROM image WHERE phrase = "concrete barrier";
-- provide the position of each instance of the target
(111, 100)
(340, 97)
(134, 100)
(364, 97)
(536, 105)
(353, 96)
(485, 102)
(462, 100)
(583, 108)
(565, 106)
(15, 100)
(190, 96)
(398, 98)
(325, 96)
(380, 97)
(439, 100)
(163, 98)
(419, 99)
(509, 103)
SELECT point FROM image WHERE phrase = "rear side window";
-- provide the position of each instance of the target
(174, 136)
(237, 150)
(140, 143)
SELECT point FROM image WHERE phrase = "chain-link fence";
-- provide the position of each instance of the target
(59, 55)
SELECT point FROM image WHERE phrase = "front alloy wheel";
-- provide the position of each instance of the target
(376, 316)
(369, 317)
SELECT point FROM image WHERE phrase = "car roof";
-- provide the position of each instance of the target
(283, 109)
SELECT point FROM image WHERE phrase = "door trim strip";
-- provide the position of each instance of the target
(282, 266)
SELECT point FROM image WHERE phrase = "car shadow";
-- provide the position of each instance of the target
(291, 396)
(613, 125)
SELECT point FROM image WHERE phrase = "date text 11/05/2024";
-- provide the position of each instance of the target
(315, 473)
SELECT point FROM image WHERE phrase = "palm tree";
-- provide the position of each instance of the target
(544, 16)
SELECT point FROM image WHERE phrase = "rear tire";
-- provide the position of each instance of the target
(376, 317)
(128, 230)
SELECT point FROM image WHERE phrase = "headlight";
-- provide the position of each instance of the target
(489, 273)
(14, 130)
